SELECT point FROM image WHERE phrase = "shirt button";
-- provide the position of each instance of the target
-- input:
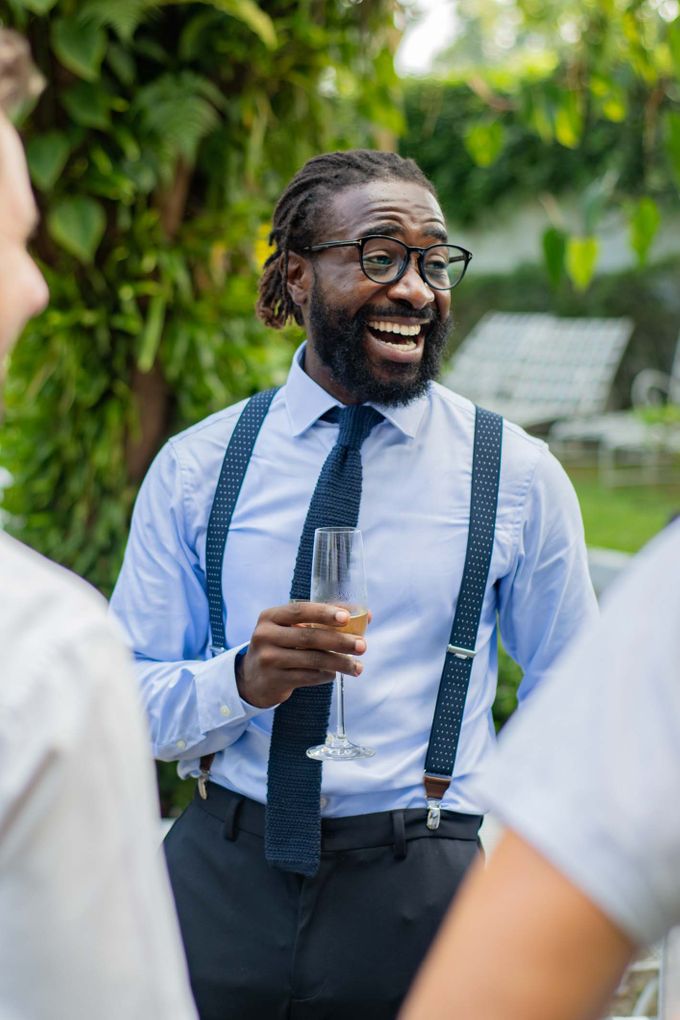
(225, 710)
(180, 745)
(323, 803)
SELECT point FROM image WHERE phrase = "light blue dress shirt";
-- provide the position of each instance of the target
(414, 516)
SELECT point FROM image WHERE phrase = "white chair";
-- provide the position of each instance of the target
(536, 368)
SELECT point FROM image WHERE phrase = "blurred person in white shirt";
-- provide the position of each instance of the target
(87, 925)
(587, 782)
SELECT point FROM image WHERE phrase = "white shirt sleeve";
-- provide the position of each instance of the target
(590, 771)
(88, 927)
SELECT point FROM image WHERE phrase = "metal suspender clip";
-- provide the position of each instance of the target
(202, 788)
(216, 650)
(204, 765)
(461, 653)
(435, 788)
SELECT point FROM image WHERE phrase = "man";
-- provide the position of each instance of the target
(588, 782)
(274, 928)
(88, 927)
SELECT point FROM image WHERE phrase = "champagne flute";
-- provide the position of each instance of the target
(338, 577)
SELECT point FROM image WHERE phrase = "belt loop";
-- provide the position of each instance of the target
(230, 826)
(399, 832)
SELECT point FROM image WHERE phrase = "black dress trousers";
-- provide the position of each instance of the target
(264, 944)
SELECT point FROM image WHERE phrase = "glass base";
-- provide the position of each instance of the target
(339, 749)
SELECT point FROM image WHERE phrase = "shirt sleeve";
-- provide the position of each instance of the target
(548, 596)
(191, 698)
(589, 773)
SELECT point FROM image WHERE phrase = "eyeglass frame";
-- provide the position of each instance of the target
(360, 243)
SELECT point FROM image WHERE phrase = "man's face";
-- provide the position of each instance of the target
(23, 291)
(362, 344)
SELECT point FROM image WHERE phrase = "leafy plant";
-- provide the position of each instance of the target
(542, 98)
(165, 134)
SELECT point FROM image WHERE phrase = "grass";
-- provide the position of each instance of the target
(623, 518)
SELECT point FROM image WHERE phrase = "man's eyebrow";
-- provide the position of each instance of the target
(391, 229)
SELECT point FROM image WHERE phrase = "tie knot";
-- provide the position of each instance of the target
(356, 421)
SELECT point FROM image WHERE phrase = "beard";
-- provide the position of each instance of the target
(339, 343)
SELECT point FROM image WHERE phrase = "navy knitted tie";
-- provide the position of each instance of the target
(293, 828)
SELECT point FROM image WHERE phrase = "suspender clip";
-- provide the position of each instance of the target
(434, 813)
(216, 650)
(202, 787)
(461, 653)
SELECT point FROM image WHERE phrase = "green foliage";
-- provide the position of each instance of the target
(536, 99)
(165, 134)
(644, 223)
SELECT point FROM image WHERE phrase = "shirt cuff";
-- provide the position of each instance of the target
(217, 697)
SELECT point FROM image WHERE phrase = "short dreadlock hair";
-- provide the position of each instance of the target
(297, 217)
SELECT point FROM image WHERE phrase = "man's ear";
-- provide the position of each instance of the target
(299, 279)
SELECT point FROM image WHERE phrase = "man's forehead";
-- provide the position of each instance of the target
(362, 206)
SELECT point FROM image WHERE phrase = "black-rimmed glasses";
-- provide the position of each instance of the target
(384, 259)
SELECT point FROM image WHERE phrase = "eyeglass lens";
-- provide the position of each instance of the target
(384, 258)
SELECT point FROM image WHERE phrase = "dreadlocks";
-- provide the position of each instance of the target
(297, 215)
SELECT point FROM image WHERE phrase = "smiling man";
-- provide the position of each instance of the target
(306, 891)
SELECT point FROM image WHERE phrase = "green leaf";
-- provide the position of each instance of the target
(643, 224)
(39, 6)
(672, 141)
(123, 16)
(484, 141)
(554, 249)
(121, 63)
(47, 155)
(77, 224)
(581, 259)
(568, 121)
(79, 46)
(246, 11)
(177, 111)
(88, 105)
(674, 44)
(153, 331)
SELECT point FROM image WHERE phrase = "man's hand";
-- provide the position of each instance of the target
(296, 645)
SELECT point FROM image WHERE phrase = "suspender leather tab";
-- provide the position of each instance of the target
(206, 762)
(435, 788)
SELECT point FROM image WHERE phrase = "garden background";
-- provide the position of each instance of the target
(168, 129)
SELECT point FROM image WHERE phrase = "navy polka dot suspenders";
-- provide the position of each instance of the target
(460, 652)
(455, 679)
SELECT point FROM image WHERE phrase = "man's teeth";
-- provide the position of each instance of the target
(395, 327)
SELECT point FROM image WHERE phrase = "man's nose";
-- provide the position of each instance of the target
(412, 287)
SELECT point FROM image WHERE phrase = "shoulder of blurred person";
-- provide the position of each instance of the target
(587, 781)
(84, 904)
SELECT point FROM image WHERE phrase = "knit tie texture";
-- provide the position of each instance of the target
(293, 820)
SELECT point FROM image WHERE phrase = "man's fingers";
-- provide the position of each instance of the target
(308, 612)
(310, 638)
(316, 660)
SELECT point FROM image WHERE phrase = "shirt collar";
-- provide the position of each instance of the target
(306, 401)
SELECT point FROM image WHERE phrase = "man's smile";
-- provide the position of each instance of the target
(397, 337)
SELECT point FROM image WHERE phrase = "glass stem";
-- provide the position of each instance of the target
(340, 688)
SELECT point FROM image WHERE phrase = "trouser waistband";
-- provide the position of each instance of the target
(352, 832)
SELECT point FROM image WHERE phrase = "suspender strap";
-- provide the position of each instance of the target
(234, 467)
(455, 679)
